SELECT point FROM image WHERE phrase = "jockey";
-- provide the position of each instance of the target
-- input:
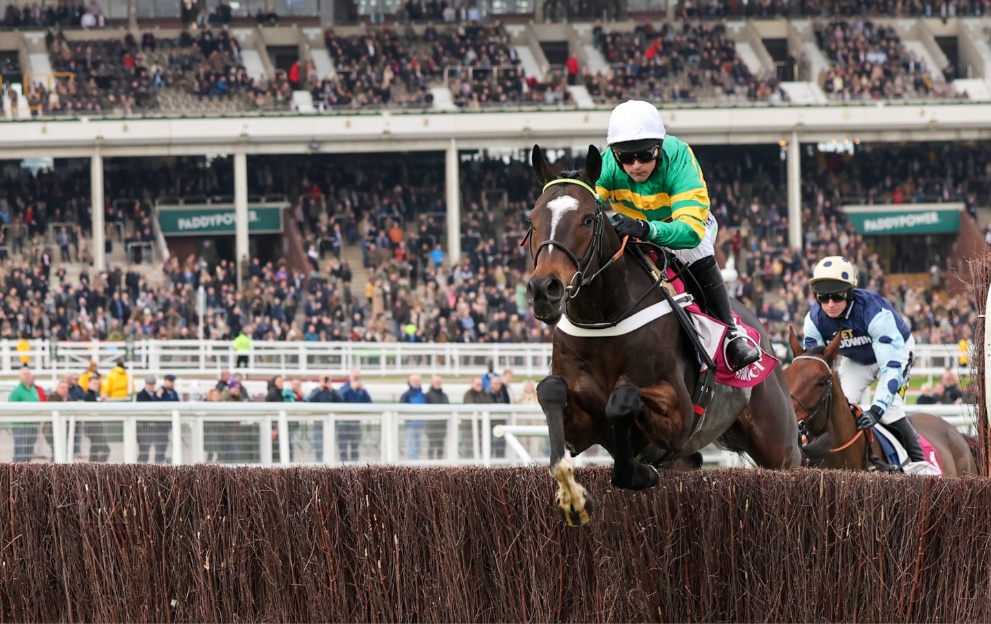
(654, 179)
(872, 332)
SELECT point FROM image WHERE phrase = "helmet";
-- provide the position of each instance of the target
(833, 274)
(636, 122)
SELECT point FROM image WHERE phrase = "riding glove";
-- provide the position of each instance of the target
(869, 418)
(633, 228)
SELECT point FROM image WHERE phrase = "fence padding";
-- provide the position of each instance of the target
(156, 544)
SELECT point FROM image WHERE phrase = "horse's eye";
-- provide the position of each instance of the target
(822, 383)
(589, 220)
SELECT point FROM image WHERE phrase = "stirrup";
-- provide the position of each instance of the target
(734, 333)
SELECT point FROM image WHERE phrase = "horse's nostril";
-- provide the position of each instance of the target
(555, 289)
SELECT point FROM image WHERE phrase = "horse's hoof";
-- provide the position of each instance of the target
(639, 477)
(573, 516)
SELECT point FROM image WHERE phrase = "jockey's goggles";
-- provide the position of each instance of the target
(645, 156)
(826, 297)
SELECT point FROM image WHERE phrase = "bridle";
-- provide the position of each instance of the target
(823, 405)
(594, 249)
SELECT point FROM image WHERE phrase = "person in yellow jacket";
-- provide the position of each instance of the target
(91, 371)
(117, 386)
(23, 346)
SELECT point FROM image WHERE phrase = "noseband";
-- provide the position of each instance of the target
(594, 250)
(824, 404)
(824, 401)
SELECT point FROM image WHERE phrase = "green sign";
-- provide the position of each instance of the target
(217, 219)
(901, 219)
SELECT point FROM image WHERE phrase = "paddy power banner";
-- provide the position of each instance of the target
(213, 220)
(897, 219)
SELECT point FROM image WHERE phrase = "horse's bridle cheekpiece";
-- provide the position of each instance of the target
(593, 249)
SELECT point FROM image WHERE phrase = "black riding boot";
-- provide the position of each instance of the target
(909, 438)
(715, 301)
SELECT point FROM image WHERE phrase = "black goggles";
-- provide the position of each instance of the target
(644, 156)
(826, 297)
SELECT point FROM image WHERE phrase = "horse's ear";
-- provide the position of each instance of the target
(540, 167)
(794, 342)
(833, 347)
(593, 165)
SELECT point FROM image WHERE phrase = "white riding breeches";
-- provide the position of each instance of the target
(857, 378)
(706, 248)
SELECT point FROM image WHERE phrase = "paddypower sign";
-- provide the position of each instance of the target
(897, 219)
(217, 219)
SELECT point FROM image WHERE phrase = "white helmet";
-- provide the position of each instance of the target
(833, 274)
(635, 120)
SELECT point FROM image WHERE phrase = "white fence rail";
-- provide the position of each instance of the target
(299, 433)
(207, 357)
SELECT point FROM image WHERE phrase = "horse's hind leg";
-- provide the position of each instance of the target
(574, 504)
(622, 409)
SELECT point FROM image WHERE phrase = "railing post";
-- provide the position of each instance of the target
(58, 438)
(130, 439)
(70, 435)
(329, 437)
(451, 440)
(196, 455)
(176, 438)
(486, 439)
(283, 438)
(265, 443)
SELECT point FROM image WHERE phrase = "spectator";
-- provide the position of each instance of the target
(86, 376)
(233, 392)
(168, 392)
(225, 379)
(118, 386)
(150, 434)
(414, 428)
(953, 394)
(60, 395)
(436, 429)
(476, 395)
(24, 434)
(499, 394)
(323, 393)
(275, 393)
(529, 394)
(927, 397)
(242, 346)
(349, 431)
(99, 450)
(76, 393)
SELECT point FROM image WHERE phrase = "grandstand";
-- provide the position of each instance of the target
(360, 175)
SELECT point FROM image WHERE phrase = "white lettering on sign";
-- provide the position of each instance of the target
(901, 221)
(204, 222)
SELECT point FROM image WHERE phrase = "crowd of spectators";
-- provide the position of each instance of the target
(62, 15)
(869, 62)
(685, 62)
(393, 210)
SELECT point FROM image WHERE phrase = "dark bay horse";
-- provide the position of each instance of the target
(834, 440)
(631, 392)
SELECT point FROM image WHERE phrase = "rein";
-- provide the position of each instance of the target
(580, 278)
(824, 403)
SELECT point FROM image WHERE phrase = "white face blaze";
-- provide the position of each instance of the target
(558, 207)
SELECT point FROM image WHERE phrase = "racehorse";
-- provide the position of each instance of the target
(824, 417)
(630, 392)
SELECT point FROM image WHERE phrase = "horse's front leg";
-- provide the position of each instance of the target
(622, 409)
(574, 503)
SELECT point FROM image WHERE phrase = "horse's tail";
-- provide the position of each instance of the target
(975, 449)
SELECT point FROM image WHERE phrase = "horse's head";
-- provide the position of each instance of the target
(567, 225)
(810, 382)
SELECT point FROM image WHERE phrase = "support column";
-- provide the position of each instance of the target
(132, 17)
(241, 249)
(671, 6)
(794, 193)
(452, 186)
(98, 244)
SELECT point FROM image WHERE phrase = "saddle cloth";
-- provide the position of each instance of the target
(711, 333)
(895, 454)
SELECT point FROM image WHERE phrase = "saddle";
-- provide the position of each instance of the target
(704, 332)
(894, 457)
